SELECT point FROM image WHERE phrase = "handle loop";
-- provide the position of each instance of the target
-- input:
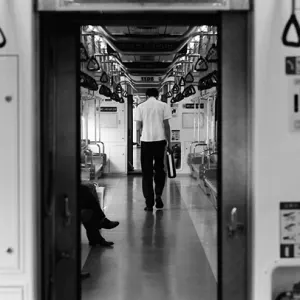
(3, 38)
(291, 22)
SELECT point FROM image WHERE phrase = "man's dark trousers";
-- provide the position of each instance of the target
(153, 151)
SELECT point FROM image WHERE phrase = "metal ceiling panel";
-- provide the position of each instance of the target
(127, 58)
(176, 30)
(144, 30)
(117, 30)
(142, 5)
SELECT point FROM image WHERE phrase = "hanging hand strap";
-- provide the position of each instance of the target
(93, 64)
(291, 22)
(2, 38)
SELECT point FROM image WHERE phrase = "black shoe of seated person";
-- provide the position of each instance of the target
(159, 203)
(107, 224)
(147, 208)
(102, 242)
(84, 275)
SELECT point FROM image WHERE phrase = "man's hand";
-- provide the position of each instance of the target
(169, 149)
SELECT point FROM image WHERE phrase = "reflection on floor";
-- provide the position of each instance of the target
(164, 255)
(137, 158)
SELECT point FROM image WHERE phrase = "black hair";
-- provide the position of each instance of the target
(152, 93)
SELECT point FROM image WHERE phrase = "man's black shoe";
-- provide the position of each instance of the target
(102, 243)
(159, 203)
(107, 224)
(148, 208)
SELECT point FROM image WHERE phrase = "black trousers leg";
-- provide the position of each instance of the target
(92, 224)
(160, 174)
(88, 200)
(147, 171)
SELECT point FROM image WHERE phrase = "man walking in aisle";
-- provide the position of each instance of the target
(152, 120)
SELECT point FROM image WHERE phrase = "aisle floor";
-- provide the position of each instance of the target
(165, 255)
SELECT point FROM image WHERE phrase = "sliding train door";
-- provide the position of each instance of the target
(61, 144)
(235, 149)
(60, 155)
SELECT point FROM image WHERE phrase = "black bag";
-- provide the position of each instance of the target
(171, 164)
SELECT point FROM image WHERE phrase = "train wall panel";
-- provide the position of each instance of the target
(13, 293)
(276, 159)
(10, 165)
(19, 156)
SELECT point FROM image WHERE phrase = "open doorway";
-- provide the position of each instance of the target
(118, 65)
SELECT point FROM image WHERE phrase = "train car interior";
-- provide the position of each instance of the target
(96, 70)
(118, 64)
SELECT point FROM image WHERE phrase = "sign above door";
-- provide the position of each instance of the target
(142, 5)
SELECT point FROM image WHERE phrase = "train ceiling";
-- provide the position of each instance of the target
(159, 51)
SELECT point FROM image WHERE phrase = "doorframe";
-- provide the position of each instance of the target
(217, 19)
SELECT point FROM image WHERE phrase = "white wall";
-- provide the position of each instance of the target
(20, 282)
(113, 133)
(276, 169)
(188, 135)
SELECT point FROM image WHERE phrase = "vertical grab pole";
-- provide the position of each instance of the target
(207, 120)
(199, 119)
(99, 120)
(95, 119)
(195, 109)
(86, 121)
(81, 118)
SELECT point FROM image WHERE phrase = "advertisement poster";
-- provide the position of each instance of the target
(174, 109)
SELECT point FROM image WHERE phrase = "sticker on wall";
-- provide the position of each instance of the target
(192, 105)
(292, 65)
(174, 111)
(108, 109)
(290, 229)
(175, 135)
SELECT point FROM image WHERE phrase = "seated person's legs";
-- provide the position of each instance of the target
(93, 218)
